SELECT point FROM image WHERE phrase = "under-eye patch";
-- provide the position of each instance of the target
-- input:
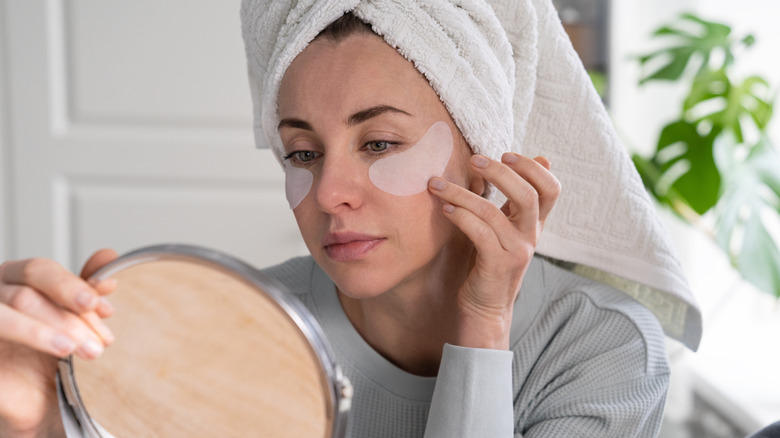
(297, 183)
(407, 173)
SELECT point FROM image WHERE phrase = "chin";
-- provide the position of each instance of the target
(359, 282)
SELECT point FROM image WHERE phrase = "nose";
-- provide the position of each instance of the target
(340, 183)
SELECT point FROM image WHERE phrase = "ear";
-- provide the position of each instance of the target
(477, 184)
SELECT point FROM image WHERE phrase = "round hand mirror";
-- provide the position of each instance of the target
(205, 346)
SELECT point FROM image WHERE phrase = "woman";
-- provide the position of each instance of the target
(411, 276)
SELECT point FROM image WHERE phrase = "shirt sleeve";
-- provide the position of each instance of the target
(598, 397)
(602, 371)
(473, 394)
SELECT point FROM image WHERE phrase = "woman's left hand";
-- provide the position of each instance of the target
(505, 240)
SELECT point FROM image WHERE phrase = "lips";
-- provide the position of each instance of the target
(349, 246)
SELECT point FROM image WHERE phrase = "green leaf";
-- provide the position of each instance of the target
(754, 91)
(667, 31)
(734, 103)
(707, 85)
(702, 162)
(651, 175)
(750, 199)
(687, 166)
(706, 37)
(759, 259)
(674, 68)
(650, 172)
(599, 80)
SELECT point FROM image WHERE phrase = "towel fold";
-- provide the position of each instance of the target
(510, 78)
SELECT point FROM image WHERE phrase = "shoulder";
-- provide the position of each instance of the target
(580, 319)
(591, 358)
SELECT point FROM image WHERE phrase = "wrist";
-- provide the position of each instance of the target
(484, 331)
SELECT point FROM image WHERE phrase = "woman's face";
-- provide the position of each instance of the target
(344, 106)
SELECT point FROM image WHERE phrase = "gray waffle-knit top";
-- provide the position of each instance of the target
(586, 360)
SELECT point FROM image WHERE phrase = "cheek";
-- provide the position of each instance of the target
(407, 173)
(309, 225)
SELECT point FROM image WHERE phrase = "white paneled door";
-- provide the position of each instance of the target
(127, 124)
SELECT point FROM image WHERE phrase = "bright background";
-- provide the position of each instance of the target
(129, 123)
(731, 386)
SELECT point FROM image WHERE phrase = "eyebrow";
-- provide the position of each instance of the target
(355, 119)
(293, 123)
(375, 111)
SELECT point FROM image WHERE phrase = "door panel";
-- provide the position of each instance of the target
(130, 124)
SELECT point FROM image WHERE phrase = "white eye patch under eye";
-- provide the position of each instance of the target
(403, 174)
(297, 183)
(407, 173)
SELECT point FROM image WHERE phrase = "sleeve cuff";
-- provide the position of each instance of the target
(473, 394)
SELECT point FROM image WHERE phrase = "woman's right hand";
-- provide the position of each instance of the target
(46, 312)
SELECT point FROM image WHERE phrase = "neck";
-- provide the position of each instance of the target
(410, 323)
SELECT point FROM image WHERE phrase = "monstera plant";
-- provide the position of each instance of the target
(715, 166)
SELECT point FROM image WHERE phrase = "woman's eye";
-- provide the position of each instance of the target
(305, 156)
(378, 146)
(302, 156)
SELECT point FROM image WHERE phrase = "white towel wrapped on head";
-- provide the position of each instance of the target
(508, 75)
(465, 48)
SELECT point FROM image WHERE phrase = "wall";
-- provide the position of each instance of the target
(126, 129)
(4, 162)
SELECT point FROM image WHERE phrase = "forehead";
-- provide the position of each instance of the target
(354, 73)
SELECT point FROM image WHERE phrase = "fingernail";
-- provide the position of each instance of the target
(509, 158)
(63, 344)
(109, 283)
(479, 161)
(91, 348)
(438, 184)
(86, 299)
(105, 305)
(448, 208)
(105, 333)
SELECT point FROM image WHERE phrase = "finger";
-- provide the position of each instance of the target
(99, 259)
(93, 320)
(543, 161)
(477, 217)
(80, 328)
(104, 287)
(104, 308)
(537, 173)
(475, 228)
(502, 251)
(22, 329)
(53, 281)
(523, 200)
